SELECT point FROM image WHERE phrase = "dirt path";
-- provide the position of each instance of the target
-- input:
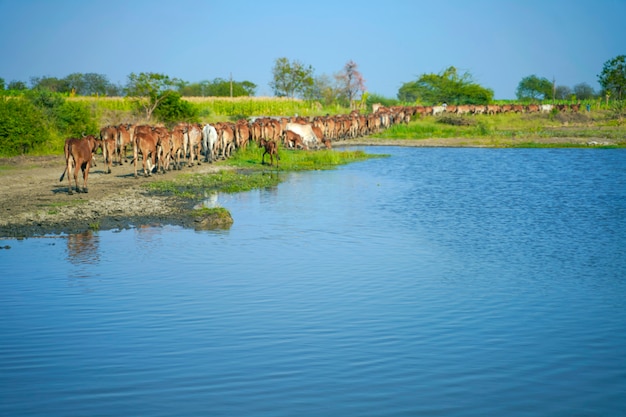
(33, 202)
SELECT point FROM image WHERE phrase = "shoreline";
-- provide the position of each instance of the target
(33, 203)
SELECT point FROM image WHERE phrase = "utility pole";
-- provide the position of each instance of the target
(231, 85)
(553, 89)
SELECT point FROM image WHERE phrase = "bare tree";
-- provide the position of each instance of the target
(351, 81)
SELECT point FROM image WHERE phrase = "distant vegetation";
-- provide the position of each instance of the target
(37, 120)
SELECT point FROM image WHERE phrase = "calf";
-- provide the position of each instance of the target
(270, 148)
(293, 140)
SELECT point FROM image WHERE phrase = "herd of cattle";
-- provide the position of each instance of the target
(162, 149)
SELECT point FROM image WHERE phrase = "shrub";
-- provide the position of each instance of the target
(23, 127)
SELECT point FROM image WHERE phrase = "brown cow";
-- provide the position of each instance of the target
(271, 148)
(78, 153)
(125, 138)
(108, 135)
(146, 141)
(193, 143)
(242, 133)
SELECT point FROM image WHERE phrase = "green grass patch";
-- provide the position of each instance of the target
(226, 181)
(297, 160)
(250, 174)
(510, 126)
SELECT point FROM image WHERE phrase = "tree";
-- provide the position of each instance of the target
(149, 89)
(291, 78)
(613, 76)
(449, 86)
(323, 90)
(17, 85)
(51, 84)
(534, 88)
(220, 87)
(562, 92)
(172, 110)
(584, 91)
(2, 83)
(350, 81)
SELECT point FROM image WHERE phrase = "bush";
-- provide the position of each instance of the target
(23, 127)
(74, 119)
(172, 110)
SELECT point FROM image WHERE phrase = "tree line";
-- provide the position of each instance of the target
(293, 78)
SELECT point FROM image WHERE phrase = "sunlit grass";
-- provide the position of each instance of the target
(297, 160)
(250, 173)
(509, 127)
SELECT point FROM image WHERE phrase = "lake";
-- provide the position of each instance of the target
(434, 281)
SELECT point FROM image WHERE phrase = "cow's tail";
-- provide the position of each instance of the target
(63, 175)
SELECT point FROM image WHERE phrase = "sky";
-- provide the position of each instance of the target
(392, 41)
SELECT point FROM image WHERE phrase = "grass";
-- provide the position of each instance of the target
(249, 173)
(226, 181)
(507, 129)
(297, 160)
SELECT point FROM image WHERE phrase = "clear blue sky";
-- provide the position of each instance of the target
(392, 41)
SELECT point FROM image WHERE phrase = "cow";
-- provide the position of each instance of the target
(78, 154)
(546, 108)
(193, 143)
(177, 144)
(493, 109)
(209, 142)
(532, 108)
(125, 136)
(226, 138)
(108, 136)
(305, 131)
(242, 133)
(437, 110)
(146, 142)
(271, 148)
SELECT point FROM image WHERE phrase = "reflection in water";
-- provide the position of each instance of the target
(83, 248)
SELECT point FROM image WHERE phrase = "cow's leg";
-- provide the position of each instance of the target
(85, 176)
(69, 177)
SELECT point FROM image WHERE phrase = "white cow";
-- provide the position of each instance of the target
(306, 133)
(437, 110)
(546, 108)
(209, 139)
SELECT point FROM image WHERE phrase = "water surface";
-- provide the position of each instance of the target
(450, 282)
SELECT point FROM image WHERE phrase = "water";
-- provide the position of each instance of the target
(436, 282)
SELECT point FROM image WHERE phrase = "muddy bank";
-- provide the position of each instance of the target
(33, 202)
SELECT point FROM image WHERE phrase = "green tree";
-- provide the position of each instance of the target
(613, 76)
(173, 110)
(449, 86)
(149, 90)
(323, 90)
(584, 91)
(290, 79)
(52, 84)
(17, 85)
(534, 88)
(562, 92)
(2, 83)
